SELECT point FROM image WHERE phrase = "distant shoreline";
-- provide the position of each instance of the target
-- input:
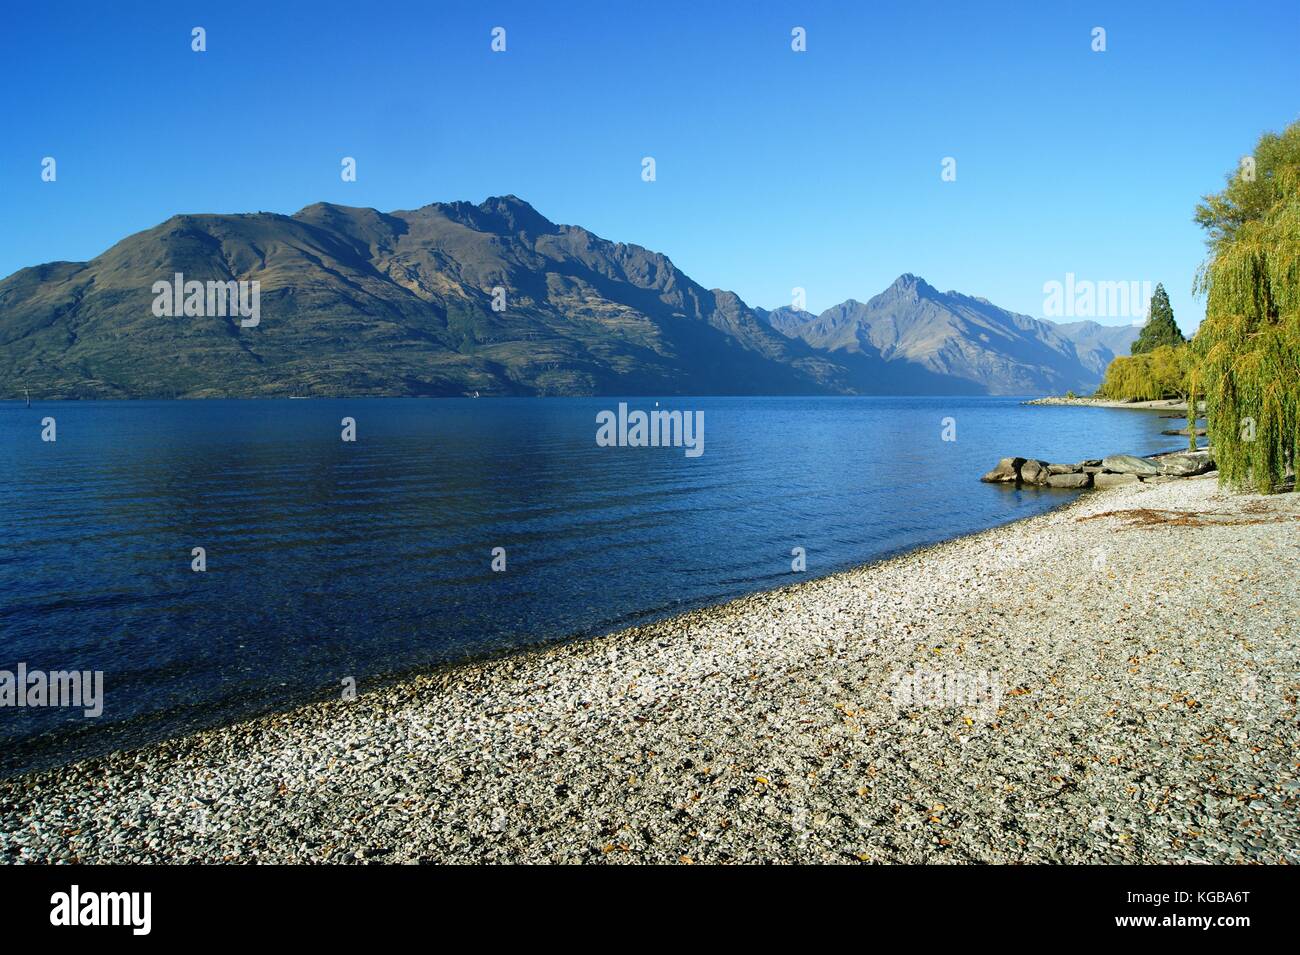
(1162, 404)
(1168, 404)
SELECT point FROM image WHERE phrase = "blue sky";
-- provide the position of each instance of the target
(775, 169)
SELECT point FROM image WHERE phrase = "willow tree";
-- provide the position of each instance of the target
(1248, 347)
(1146, 376)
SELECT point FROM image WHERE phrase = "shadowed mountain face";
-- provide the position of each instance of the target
(359, 302)
(954, 336)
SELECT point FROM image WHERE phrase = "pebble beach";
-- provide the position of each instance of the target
(1159, 404)
(1114, 681)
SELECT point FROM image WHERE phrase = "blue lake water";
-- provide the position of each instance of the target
(328, 559)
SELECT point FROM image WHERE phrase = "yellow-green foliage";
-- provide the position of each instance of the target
(1245, 359)
(1159, 373)
(1248, 347)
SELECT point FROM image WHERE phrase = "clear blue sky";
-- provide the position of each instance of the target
(775, 169)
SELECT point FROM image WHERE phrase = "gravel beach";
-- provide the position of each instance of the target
(1115, 681)
(1160, 404)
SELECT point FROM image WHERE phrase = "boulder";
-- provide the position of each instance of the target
(1106, 479)
(1007, 471)
(1074, 479)
(1187, 464)
(1064, 468)
(1034, 471)
(1128, 464)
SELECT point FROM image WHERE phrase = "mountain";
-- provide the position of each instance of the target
(1097, 344)
(359, 302)
(787, 320)
(951, 335)
(354, 301)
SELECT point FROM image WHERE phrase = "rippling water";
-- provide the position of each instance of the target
(328, 559)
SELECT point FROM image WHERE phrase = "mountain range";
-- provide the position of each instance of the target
(962, 337)
(493, 298)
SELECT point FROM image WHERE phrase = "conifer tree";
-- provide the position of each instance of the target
(1160, 329)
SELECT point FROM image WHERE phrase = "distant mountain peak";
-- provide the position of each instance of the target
(508, 204)
(319, 210)
(503, 215)
(910, 286)
(517, 215)
(954, 335)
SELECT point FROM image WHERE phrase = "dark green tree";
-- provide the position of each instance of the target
(1160, 329)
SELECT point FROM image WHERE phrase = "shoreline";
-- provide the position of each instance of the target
(1160, 404)
(768, 728)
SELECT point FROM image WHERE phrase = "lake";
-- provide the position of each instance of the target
(329, 559)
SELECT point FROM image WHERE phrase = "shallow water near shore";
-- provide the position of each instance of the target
(329, 560)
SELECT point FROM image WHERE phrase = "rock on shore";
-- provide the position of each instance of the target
(1110, 471)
